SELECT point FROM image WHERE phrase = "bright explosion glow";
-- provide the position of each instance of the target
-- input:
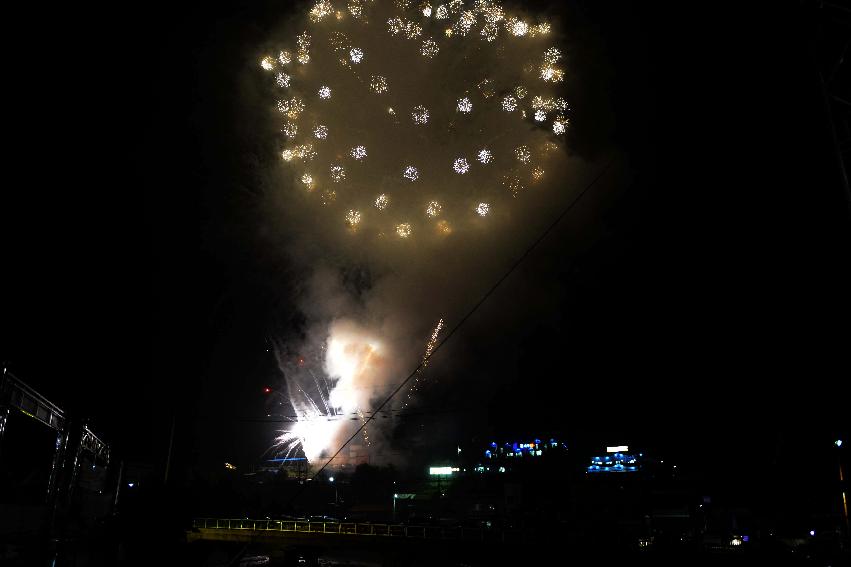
(498, 106)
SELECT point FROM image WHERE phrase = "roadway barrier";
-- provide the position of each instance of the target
(353, 529)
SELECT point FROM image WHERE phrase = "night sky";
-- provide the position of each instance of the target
(705, 299)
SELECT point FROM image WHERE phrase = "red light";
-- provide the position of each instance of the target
(267, 390)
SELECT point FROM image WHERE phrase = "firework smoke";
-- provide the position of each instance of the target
(420, 146)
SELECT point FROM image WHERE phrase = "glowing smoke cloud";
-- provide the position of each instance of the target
(412, 125)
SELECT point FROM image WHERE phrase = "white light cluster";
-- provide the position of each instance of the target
(353, 218)
(412, 30)
(552, 74)
(378, 84)
(290, 129)
(321, 10)
(552, 55)
(338, 173)
(395, 25)
(420, 114)
(464, 24)
(355, 8)
(404, 230)
(303, 42)
(429, 48)
(517, 27)
(301, 151)
(461, 166)
(411, 173)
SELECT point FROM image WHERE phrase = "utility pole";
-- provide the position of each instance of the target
(838, 444)
(118, 488)
(170, 445)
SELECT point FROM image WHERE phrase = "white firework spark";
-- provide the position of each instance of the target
(430, 345)
(420, 114)
(411, 173)
(338, 173)
(404, 229)
(461, 166)
(429, 48)
(282, 80)
(378, 84)
(381, 202)
(353, 218)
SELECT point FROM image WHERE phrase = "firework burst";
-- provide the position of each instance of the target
(406, 122)
(357, 50)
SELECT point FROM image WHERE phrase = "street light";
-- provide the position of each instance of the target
(395, 496)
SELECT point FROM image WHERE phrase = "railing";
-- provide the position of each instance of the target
(15, 393)
(92, 443)
(348, 528)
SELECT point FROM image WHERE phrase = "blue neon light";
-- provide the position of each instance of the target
(281, 460)
(615, 463)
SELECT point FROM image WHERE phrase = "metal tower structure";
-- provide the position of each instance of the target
(72, 440)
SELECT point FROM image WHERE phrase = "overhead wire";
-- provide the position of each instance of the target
(463, 320)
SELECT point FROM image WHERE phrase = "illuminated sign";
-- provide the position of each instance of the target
(617, 463)
(442, 470)
(617, 449)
